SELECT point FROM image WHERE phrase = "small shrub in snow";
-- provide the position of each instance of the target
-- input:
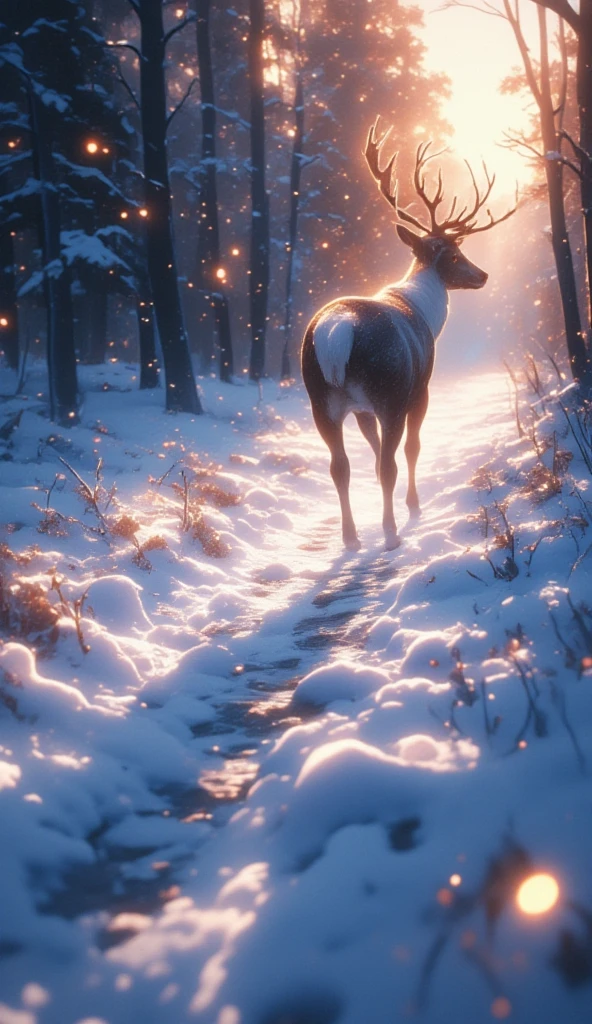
(25, 610)
(214, 494)
(155, 543)
(125, 527)
(208, 537)
(194, 522)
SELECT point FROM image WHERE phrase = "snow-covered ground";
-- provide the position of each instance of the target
(248, 778)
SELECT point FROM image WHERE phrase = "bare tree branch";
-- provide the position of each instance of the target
(515, 141)
(513, 16)
(485, 8)
(181, 102)
(519, 141)
(121, 77)
(566, 162)
(581, 153)
(564, 10)
(178, 28)
(124, 45)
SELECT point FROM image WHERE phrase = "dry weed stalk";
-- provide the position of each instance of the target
(73, 610)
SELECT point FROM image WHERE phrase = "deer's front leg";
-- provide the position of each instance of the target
(332, 434)
(391, 437)
(415, 419)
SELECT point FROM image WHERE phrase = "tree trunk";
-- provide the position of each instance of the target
(181, 393)
(295, 175)
(584, 96)
(9, 333)
(222, 312)
(208, 239)
(61, 355)
(259, 278)
(576, 346)
(146, 335)
(95, 318)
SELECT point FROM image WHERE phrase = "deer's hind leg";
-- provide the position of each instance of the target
(392, 432)
(415, 418)
(332, 434)
(368, 424)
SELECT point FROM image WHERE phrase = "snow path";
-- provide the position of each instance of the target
(343, 683)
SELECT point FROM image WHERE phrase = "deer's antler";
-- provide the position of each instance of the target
(384, 177)
(465, 223)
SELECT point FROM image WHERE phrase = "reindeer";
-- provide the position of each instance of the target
(374, 356)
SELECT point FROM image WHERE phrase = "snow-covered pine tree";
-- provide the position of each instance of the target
(53, 60)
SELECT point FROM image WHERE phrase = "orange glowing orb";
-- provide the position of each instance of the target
(92, 147)
(501, 1008)
(220, 273)
(123, 215)
(143, 212)
(235, 252)
(538, 894)
(3, 321)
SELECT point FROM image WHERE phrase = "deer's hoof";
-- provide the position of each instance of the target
(414, 512)
(391, 541)
(352, 543)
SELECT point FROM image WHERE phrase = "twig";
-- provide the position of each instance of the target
(179, 27)
(71, 520)
(124, 45)
(533, 549)
(124, 82)
(49, 492)
(583, 452)
(185, 525)
(558, 697)
(551, 360)
(75, 612)
(91, 494)
(540, 722)
(509, 529)
(162, 478)
(587, 636)
(181, 102)
(484, 701)
(580, 559)
(569, 651)
(516, 408)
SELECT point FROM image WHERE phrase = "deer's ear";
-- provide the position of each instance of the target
(415, 242)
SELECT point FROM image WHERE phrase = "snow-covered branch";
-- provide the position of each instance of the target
(122, 44)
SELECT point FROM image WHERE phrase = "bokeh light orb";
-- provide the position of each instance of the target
(538, 894)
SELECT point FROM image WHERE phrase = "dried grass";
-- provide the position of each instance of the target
(25, 610)
(208, 537)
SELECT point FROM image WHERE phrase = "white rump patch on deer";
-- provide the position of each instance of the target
(333, 339)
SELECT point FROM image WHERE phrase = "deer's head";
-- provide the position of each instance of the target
(439, 244)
